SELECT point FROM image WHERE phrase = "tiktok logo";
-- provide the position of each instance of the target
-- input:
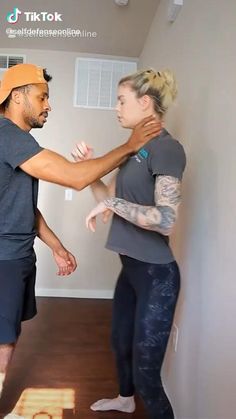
(13, 17)
(33, 16)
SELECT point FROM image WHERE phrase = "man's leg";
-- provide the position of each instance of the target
(6, 352)
(17, 303)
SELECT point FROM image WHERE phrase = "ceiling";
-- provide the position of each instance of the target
(119, 30)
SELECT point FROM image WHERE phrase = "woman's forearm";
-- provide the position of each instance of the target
(99, 190)
(160, 219)
(102, 191)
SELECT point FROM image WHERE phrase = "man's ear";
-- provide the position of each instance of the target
(145, 102)
(16, 96)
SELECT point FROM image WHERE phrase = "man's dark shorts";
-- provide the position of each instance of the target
(17, 296)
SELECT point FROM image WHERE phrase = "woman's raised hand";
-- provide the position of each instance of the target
(82, 151)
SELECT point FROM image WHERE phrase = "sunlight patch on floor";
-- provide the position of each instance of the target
(42, 403)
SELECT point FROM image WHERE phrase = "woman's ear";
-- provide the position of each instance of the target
(145, 102)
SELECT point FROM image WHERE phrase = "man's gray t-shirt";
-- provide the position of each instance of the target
(18, 192)
(135, 183)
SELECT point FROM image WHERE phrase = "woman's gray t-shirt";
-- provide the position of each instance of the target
(135, 183)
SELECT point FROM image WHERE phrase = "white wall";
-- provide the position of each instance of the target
(200, 48)
(98, 268)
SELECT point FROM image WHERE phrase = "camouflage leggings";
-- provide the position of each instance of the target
(143, 311)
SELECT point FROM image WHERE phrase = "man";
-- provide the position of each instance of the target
(24, 103)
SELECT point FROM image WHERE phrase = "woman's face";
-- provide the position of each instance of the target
(130, 109)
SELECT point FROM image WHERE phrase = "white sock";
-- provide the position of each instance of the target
(120, 403)
(13, 416)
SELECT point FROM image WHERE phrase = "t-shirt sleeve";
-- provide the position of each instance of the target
(19, 146)
(167, 157)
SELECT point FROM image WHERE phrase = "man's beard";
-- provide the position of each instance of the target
(31, 120)
(34, 123)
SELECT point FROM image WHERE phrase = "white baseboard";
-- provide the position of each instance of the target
(72, 293)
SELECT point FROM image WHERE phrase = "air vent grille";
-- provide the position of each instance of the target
(96, 81)
(7, 61)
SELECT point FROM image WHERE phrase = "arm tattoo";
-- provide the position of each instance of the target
(167, 190)
(160, 218)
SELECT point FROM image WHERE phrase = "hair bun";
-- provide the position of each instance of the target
(169, 81)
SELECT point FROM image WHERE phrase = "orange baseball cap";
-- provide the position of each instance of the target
(19, 75)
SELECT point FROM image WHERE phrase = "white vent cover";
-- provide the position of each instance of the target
(7, 61)
(96, 81)
(174, 9)
(121, 2)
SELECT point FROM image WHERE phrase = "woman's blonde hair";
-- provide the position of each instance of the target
(161, 86)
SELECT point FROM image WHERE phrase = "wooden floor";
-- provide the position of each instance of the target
(66, 348)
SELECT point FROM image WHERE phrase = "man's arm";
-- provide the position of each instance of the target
(65, 260)
(54, 168)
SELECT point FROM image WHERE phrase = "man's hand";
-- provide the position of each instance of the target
(65, 261)
(147, 129)
(82, 151)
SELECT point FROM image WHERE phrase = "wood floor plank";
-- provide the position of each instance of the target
(67, 346)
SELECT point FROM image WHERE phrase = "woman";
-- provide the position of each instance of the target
(144, 197)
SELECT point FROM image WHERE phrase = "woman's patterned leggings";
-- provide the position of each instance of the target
(143, 311)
